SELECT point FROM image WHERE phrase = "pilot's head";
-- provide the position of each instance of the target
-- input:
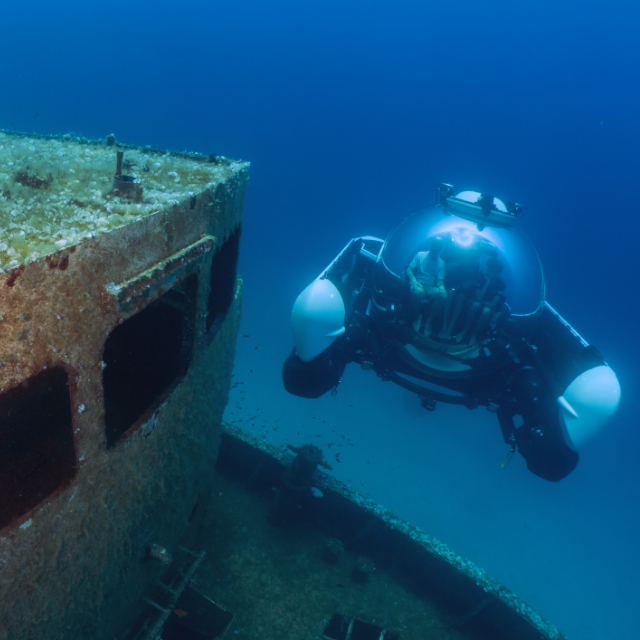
(494, 266)
(437, 245)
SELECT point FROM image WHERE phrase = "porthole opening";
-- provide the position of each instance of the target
(37, 452)
(146, 356)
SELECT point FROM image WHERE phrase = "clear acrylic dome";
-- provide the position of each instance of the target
(468, 245)
(522, 271)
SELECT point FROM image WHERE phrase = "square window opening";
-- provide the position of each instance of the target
(37, 452)
(146, 356)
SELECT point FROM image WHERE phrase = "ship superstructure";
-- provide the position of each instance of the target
(119, 308)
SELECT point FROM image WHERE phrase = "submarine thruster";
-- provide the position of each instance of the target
(451, 306)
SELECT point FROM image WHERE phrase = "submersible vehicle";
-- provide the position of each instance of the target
(510, 352)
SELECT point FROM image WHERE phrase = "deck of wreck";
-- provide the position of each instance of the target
(330, 567)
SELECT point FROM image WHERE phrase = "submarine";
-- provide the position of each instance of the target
(480, 333)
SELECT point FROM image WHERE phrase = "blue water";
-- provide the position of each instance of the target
(350, 113)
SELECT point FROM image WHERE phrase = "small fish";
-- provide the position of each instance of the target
(180, 612)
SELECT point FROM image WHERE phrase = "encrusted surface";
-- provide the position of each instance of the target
(56, 192)
(534, 624)
(271, 575)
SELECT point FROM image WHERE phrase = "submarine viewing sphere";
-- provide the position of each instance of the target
(475, 229)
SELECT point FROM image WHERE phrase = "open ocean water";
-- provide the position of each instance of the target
(350, 113)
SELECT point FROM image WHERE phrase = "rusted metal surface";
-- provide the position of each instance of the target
(79, 553)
